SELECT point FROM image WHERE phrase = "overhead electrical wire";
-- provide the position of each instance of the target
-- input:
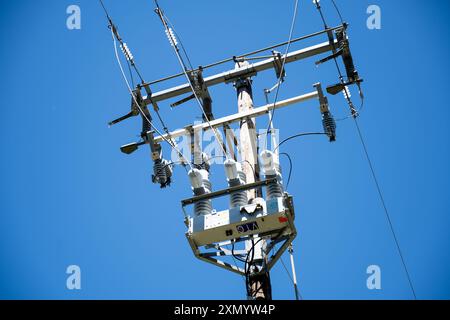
(130, 60)
(173, 42)
(214, 64)
(341, 78)
(388, 217)
(369, 161)
(280, 78)
(298, 136)
(290, 169)
(139, 107)
(354, 112)
(358, 112)
(319, 8)
(184, 68)
(180, 41)
(131, 73)
(338, 11)
(123, 45)
(132, 63)
(234, 255)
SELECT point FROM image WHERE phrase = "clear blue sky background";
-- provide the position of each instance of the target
(68, 196)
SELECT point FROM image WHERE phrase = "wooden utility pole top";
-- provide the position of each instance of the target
(248, 138)
(259, 285)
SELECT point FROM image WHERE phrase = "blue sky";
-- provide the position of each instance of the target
(68, 196)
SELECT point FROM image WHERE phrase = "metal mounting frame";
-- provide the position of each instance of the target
(219, 250)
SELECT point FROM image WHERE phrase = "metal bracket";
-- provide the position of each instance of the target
(149, 96)
(133, 112)
(184, 100)
(201, 91)
(323, 100)
(216, 194)
(280, 71)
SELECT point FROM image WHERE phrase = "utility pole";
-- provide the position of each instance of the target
(259, 287)
(258, 223)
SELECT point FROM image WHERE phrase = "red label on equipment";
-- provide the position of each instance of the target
(282, 219)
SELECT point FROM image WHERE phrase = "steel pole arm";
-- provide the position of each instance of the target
(249, 70)
(256, 112)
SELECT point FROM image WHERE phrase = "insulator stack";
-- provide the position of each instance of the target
(274, 189)
(201, 185)
(171, 36)
(169, 171)
(127, 52)
(159, 172)
(272, 170)
(329, 125)
(162, 172)
(236, 177)
(346, 93)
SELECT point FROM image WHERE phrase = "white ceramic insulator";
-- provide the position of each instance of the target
(346, 93)
(231, 169)
(268, 163)
(197, 178)
(126, 51)
(171, 36)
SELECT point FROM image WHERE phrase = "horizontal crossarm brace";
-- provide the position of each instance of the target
(256, 112)
(224, 253)
(223, 192)
(246, 71)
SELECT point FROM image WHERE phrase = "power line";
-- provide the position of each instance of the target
(122, 44)
(298, 136)
(130, 60)
(180, 41)
(341, 78)
(235, 257)
(137, 104)
(214, 64)
(131, 73)
(338, 11)
(183, 66)
(272, 113)
(358, 112)
(354, 116)
(104, 8)
(290, 169)
(385, 207)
